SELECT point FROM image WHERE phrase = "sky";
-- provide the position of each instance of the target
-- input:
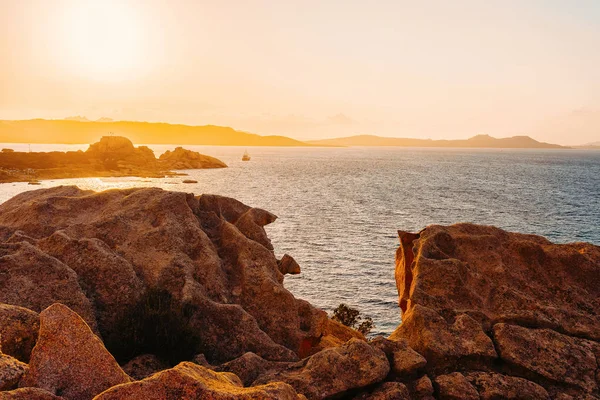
(310, 69)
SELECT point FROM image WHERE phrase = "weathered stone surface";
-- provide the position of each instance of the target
(565, 396)
(287, 265)
(552, 355)
(334, 334)
(497, 276)
(423, 389)
(250, 366)
(143, 366)
(455, 386)
(493, 386)
(386, 391)
(200, 359)
(403, 359)
(68, 359)
(188, 381)
(32, 279)
(460, 285)
(108, 280)
(11, 371)
(112, 145)
(18, 331)
(445, 344)
(334, 370)
(105, 251)
(29, 394)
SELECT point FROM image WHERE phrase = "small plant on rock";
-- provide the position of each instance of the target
(351, 317)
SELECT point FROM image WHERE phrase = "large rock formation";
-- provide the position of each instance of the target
(120, 148)
(111, 156)
(518, 315)
(136, 263)
(157, 277)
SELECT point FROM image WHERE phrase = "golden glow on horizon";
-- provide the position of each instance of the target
(103, 40)
(310, 69)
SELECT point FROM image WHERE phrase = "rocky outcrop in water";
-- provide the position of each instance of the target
(516, 315)
(111, 156)
(181, 158)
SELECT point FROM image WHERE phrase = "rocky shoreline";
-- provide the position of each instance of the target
(150, 294)
(112, 156)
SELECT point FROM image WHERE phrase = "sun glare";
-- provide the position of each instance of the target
(103, 39)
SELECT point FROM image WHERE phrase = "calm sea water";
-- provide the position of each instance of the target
(339, 208)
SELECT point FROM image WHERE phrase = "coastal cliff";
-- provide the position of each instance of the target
(499, 314)
(112, 156)
(150, 294)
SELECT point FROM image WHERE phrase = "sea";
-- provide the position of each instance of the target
(339, 209)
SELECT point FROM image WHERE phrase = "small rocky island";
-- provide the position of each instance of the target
(146, 294)
(112, 156)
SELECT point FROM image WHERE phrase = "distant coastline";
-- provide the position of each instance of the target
(80, 130)
(479, 141)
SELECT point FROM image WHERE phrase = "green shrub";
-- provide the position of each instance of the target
(351, 317)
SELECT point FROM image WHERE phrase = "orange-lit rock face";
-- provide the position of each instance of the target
(508, 277)
(191, 381)
(334, 371)
(479, 298)
(112, 145)
(101, 252)
(69, 359)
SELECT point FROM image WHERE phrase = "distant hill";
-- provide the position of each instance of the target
(82, 130)
(479, 141)
(77, 118)
(592, 146)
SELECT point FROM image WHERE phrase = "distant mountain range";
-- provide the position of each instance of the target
(78, 129)
(85, 119)
(593, 145)
(82, 130)
(479, 141)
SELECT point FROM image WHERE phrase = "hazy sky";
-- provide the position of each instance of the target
(308, 69)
